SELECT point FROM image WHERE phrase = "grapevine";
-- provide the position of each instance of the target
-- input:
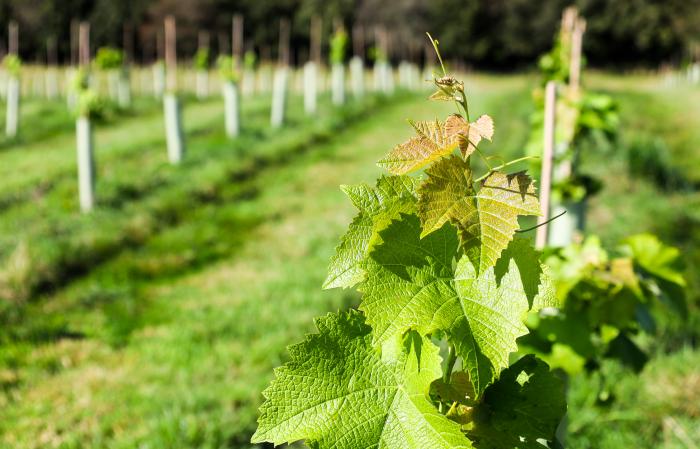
(426, 360)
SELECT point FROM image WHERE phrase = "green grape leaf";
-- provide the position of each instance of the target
(411, 284)
(408, 279)
(378, 206)
(487, 219)
(491, 309)
(339, 392)
(521, 410)
(655, 257)
(459, 389)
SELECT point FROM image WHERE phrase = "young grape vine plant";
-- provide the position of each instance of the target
(425, 363)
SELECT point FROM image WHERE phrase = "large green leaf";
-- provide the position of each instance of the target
(522, 410)
(339, 392)
(408, 279)
(492, 306)
(411, 284)
(378, 206)
(486, 219)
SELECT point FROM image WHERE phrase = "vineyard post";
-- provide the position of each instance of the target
(232, 108)
(279, 89)
(579, 27)
(311, 66)
(202, 76)
(562, 230)
(357, 66)
(338, 70)
(84, 132)
(550, 104)
(171, 103)
(13, 85)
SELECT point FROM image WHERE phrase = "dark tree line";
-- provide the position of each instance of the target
(493, 34)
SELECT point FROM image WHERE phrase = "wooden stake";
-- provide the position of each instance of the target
(283, 49)
(358, 41)
(13, 38)
(51, 51)
(160, 46)
(316, 37)
(84, 44)
(171, 53)
(203, 40)
(550, 105)
(576, 52)
(74, 42)
(237, 38)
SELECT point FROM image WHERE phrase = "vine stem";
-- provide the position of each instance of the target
(540, 224)
(451, 360)
(504, 165)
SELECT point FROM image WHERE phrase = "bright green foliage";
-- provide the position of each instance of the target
(249, 60)
(607, 301)
(108, 58)
(490, 308)
(13, 64)
(526, 405)
(436, 260)
(227, 68)
(584, 119)
(486, 220)
(339, 44)
(339, 391)
(392, 196)
(378, 55)
(88, 103)
(201, 59)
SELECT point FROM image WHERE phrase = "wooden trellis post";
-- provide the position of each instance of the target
(550, 106)
(279, 88)
(171, 103)
(577, 31)
(237, 38)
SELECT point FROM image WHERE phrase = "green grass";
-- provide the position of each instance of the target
(167, 338)
(139, 194)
